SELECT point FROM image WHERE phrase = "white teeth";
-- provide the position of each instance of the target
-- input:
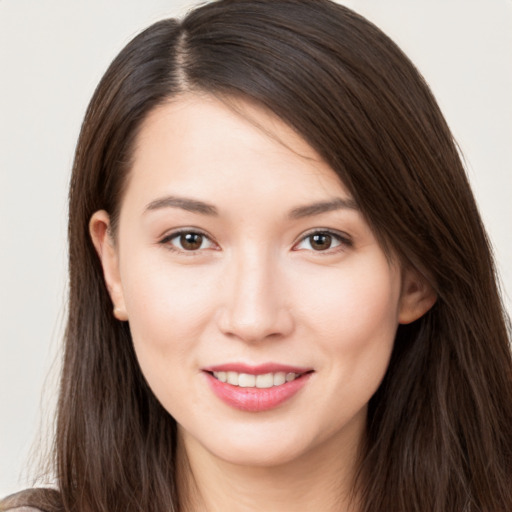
(247, 380)
(265, 381)
(232, 378)
(279, 378)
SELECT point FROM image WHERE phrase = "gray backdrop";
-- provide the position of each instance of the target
(52, 54)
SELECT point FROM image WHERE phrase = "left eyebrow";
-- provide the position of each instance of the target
(185, 203)
(322, 207)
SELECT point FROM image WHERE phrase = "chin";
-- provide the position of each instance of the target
(249, 444)
(261, 455)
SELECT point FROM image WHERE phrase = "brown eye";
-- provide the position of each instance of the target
(187, 241)
(320, 241)
(191, 241)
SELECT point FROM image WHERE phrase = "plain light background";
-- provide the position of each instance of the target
(53, 53)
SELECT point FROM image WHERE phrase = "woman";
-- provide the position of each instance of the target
(281, 293)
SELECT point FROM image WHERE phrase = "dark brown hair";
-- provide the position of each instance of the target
(439, 427)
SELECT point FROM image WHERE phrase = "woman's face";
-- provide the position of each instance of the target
(262, 309)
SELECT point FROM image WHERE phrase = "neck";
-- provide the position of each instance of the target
(322, 479)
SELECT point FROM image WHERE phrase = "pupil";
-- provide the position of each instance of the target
(191, 241)
(321, 241)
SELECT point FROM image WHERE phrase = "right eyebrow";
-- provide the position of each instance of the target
(185, 203)
(323, 207)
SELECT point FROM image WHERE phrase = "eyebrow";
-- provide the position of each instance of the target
(190, 205)
(195, 206)
(323, 207)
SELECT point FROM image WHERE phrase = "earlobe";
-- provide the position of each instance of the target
(417, 297)
(99, 230)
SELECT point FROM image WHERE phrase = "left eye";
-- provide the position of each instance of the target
(188, 241)
(320, 241)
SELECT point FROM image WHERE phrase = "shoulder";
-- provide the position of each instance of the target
(32, 500)
(22, 509)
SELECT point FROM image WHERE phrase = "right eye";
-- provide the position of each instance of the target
(324, 241)
(187, 241)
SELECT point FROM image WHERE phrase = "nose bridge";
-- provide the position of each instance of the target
(255, 305)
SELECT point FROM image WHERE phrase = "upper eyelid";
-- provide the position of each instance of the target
(340, 235)
(344, 239)
(329, 231)
(180, 231)
(165, 240)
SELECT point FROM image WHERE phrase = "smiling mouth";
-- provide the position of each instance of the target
(261, 381)
(256, 388)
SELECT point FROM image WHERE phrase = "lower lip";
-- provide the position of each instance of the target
(256, 399)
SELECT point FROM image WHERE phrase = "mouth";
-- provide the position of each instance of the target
(256, 389)
(260, 381)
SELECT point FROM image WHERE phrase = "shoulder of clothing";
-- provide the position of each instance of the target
(24, 509)
(32, 500)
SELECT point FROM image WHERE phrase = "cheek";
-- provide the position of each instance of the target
(354, 320)
(356, 303)
(168, 309)
(162, 298)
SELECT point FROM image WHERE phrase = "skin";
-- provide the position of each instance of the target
(256, 290)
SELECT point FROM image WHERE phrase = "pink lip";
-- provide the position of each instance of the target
(256, 399)
(259, 369)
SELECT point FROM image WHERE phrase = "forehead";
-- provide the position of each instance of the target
(201, 146)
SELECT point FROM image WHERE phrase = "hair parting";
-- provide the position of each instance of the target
(438, 435)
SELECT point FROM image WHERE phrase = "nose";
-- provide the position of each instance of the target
(255, 306)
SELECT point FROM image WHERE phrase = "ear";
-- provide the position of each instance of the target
(99, 229)
(417, 296)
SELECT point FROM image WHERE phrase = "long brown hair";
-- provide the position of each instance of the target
(439, 427)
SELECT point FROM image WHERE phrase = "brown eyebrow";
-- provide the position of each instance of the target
(190, 205)
(195, 206)
(322, 207)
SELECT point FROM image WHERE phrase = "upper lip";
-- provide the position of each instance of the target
(259, 369)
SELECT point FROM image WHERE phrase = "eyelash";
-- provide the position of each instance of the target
(344, 241)
(166, 241)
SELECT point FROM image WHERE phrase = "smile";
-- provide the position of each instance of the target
(256, 389)
(262, 381)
